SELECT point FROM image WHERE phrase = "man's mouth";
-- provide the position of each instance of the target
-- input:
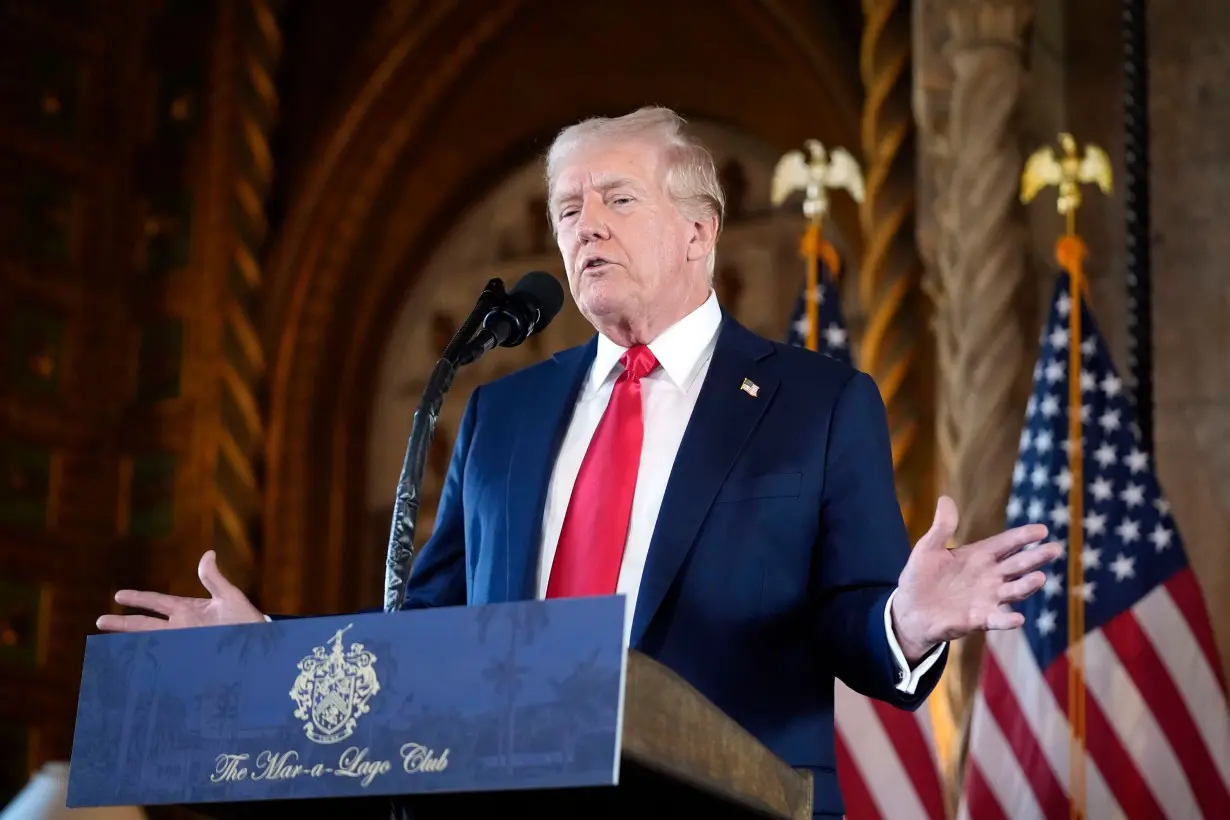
(594, 263)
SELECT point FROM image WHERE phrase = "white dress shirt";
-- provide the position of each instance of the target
(669, 394)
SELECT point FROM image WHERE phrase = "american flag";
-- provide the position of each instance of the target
(886, 758)
(1156, 725)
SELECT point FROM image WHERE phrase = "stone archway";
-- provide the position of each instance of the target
(417, 146)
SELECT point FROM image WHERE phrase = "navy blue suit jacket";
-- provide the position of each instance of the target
(778, 543)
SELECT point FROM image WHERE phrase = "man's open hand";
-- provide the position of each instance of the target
(226, 605)
(947, 594)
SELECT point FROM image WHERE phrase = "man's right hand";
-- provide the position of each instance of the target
(225, 605)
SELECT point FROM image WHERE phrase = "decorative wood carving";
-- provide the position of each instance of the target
(895, 340)
(137, 144)
(68, 328)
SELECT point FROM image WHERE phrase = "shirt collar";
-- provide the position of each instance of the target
(680, 348)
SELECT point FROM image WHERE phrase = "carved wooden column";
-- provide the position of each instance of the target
(896, 345)
(978, 255)
(194, 443)
(244, 109)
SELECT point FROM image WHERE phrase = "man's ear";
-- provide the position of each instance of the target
(703, 238)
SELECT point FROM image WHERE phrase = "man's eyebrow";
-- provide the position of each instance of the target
(604, 185)
(616, 182)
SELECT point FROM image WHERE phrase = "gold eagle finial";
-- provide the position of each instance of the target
(816, 174)
(1068, 172)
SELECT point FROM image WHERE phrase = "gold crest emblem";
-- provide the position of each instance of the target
(333, 689)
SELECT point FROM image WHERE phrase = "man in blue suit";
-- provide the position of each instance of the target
(738, 491)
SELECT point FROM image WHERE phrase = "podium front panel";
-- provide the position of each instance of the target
(525, 695)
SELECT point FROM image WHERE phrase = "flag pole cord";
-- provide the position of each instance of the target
(1070, 252)
(816, 249)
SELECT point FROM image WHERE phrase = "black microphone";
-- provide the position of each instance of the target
(529, 307)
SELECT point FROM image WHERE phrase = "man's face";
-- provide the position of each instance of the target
(624, 242)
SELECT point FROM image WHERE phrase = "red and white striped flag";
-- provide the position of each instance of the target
(886, 757)
(886, 760)
(1155, 724)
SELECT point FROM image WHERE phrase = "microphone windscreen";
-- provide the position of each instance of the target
(545, 291)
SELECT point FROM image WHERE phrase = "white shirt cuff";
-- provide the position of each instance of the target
(907, 679)
(269, 620)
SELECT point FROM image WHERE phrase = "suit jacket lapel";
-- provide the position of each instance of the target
(538, 435)
(721, 423)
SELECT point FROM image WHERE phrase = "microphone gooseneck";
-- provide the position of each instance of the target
(498, 318)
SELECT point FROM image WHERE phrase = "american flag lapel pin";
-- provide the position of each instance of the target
(750, 387)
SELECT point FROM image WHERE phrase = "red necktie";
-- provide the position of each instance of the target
(591, 543)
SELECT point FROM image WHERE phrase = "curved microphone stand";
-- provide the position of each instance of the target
(457, 354)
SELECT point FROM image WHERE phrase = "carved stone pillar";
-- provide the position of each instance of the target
(978, 255)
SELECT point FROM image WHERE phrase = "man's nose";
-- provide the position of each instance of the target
(591, 223)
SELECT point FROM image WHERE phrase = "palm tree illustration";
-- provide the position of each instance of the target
(138, 654)
(505, 674)
(223, 703)
(578, 695)
(152, 718)
(263, 638)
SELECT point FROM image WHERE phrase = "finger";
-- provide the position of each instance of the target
(943, 526)
(153, 601)
(1021, 588)
(1005, 619)
(1028, 560)
(131, 623)
(212, 578)
(1010, 541)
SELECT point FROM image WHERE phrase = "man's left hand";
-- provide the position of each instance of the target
(946, 594)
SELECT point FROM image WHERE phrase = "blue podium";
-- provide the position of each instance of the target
(533, 707)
